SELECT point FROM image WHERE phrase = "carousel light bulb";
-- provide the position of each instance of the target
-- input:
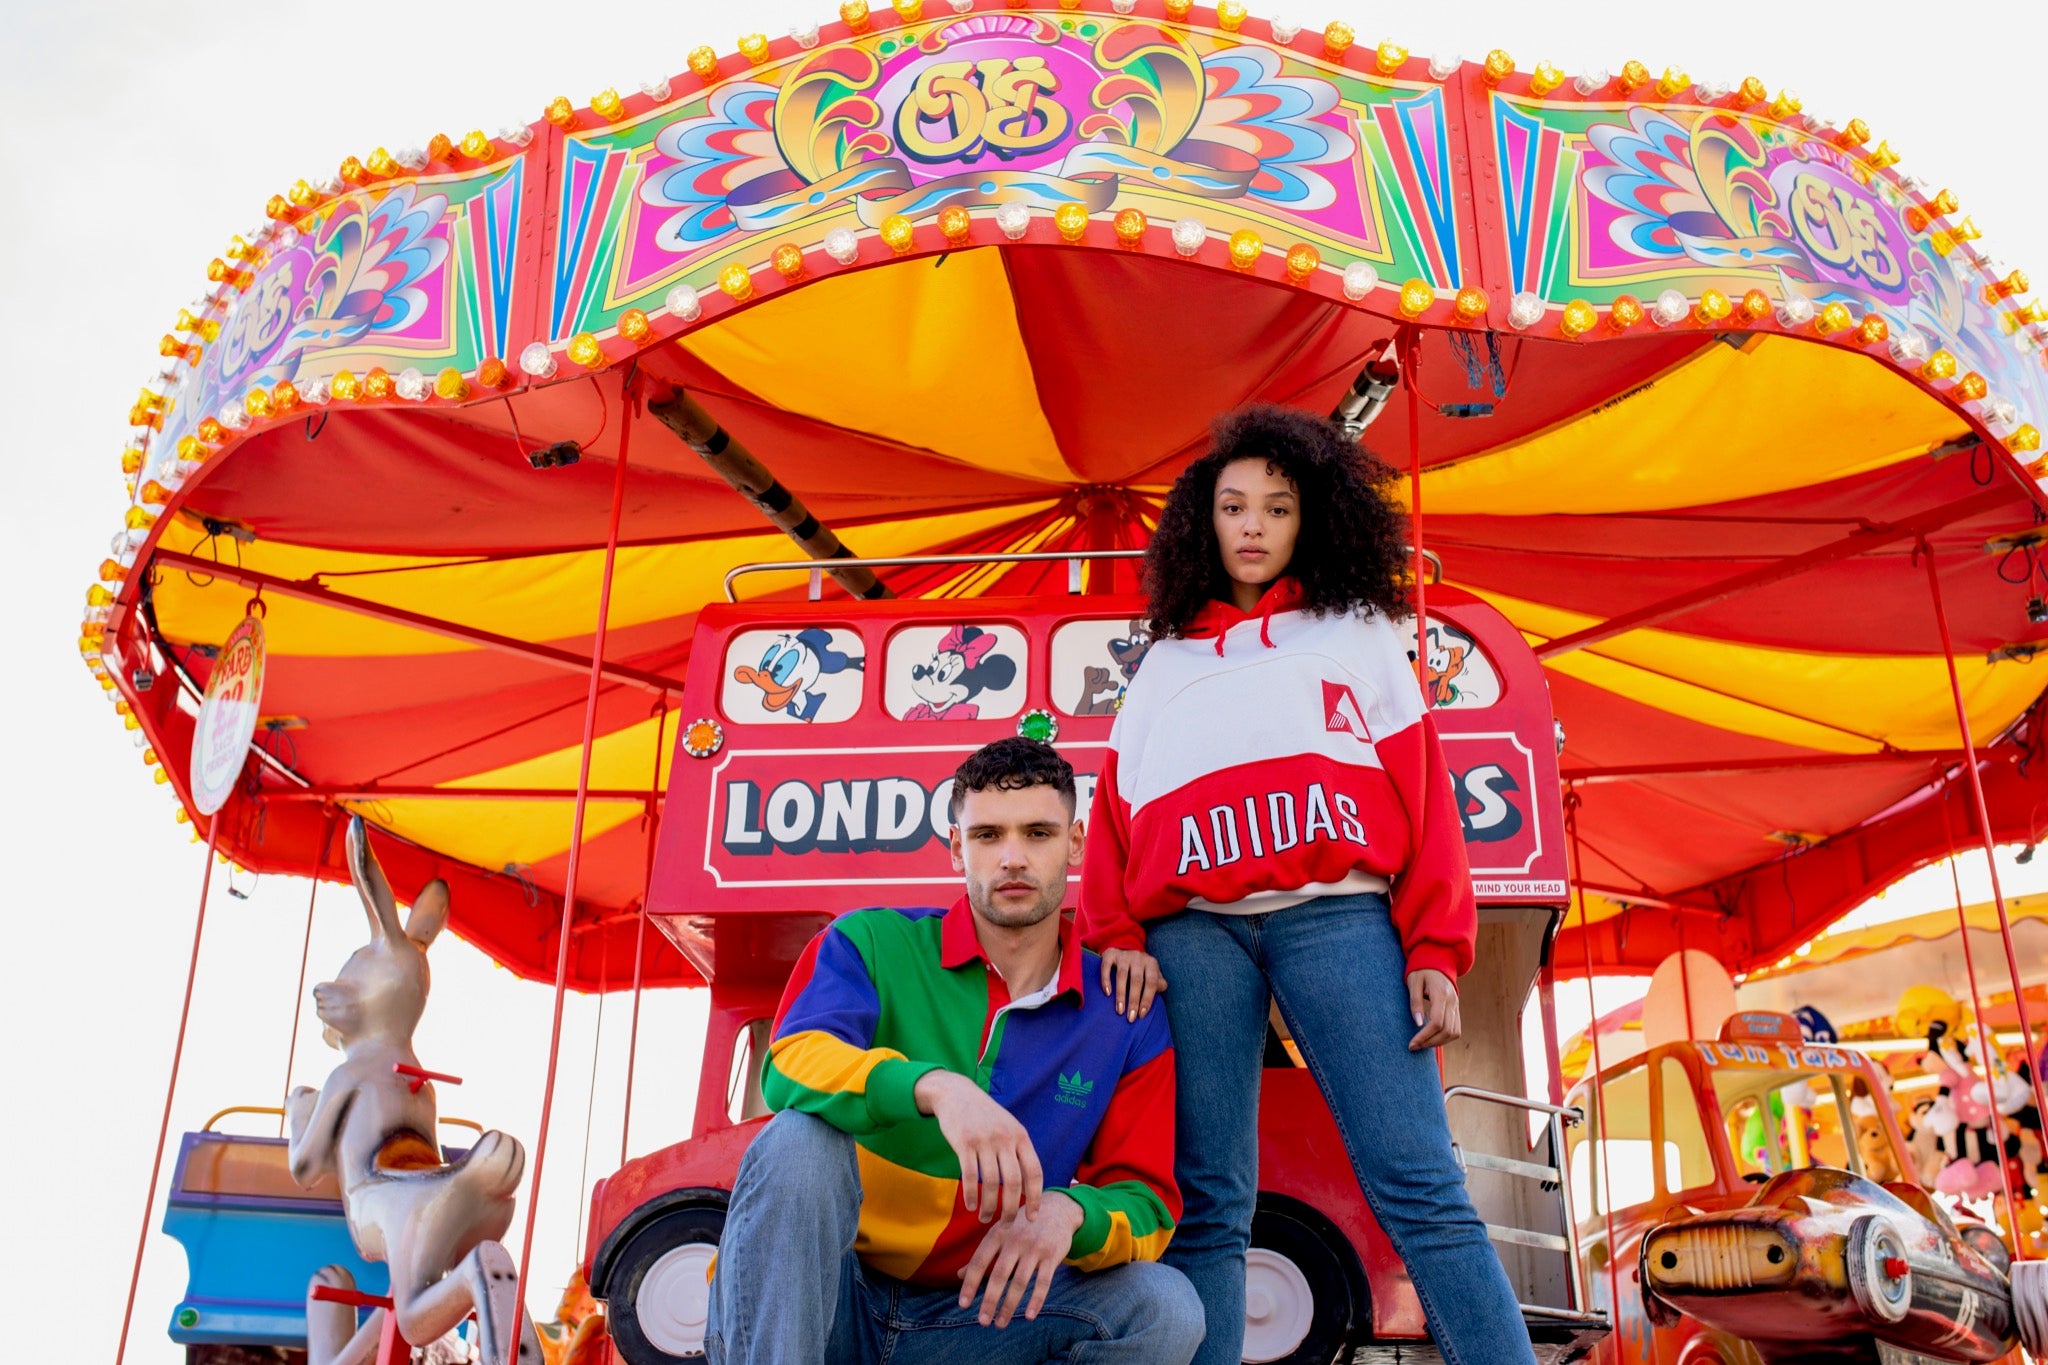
(736, 281)
(1071, 220)
(1337, 39)
(1246, 247)
(1176, 10)
(1591, 83)
(412, 385)
(477, 146)
(841, 245)
(112, 571)
(1669, 309)
(140, 519)
(1471, 303)
(302, 194)
(1970, 387)
(284, 396)
(1940, 365)
(1545, 79)
(586, 351)
(494, 373)
(98, 596)
(963, 6)
(1230, 15)
(1873, 330)
(1947, 239)
(854, 14)
(608, 105)
(377, 384)
(1283, 26)
(131, 461)
(703, 64)
(955, 223)
(234, 417)
(1129, 226)
(909, 11)
(1755, 305)
(788, 261)
(1834, 318)
(634, 326)
(1672, 83)
(1713, 307)
(897, 233)
(682, 302)
(191, 448)
(153, 494)
(1853, 136)
(518, 134)
(1014, 218)
(1360, 279)
(805, 35)
(1499, 66)
(280, 209)
(2024, 441)
(1445, 65)
(2014, 283)
(1303, 260)
(1785, 106)
(450, 385)
(256, 403)
(206, 328)
(1908, 348)
(1634, 76)
(2001, 415)
(1883, 157)
(1795, 310)
(1388, 58)
(1416, 297)
(414, 159)
(537, 360)
(316, 390)
(1942, 205)
(1525, 310)
(381, 164)
(1710, 92)
(560, 112)
(1188, 235)
(657, 90)
(754, 47)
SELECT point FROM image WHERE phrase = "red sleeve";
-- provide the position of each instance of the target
(1433, 908)
(1105, 919)
(1124, 1185)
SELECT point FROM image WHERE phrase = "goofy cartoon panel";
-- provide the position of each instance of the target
(1094, 661)
(789, 677)
(955, 672)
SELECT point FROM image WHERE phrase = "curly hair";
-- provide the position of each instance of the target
(1350, 552)
(1011, 764)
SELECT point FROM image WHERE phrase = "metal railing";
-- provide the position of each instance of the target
(818, 568)
(1557, 1119)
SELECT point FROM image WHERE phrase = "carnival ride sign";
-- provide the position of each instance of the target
(227, 717)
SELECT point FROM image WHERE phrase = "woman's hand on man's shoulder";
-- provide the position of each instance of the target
(1132, 980)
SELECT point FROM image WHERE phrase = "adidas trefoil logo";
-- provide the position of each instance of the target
(1074, 1090)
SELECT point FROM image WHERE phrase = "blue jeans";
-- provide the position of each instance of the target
(789, 1290)
(1336, 968)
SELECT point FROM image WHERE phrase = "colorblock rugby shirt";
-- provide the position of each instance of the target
(880, 997)
(1275, 752)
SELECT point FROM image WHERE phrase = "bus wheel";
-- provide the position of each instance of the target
(1297, 1299)
(661, 1287)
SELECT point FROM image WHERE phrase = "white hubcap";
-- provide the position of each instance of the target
(675, 1299)
(1278, 1305)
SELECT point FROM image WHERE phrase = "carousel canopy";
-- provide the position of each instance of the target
(1696, 384)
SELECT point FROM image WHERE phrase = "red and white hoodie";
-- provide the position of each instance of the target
(1270, 757)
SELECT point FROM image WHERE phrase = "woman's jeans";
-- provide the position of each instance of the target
(1335, 966)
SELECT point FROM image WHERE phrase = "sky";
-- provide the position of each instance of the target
(134, 139)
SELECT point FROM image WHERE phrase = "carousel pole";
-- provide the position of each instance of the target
(1604, 1178)
(1985, 1042)
(170, 1089)
(640, 926)
(628, 397)
(291, 1056)
(1411, 374)
(1983, 809)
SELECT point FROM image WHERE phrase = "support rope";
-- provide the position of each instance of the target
(640, 925)
(170, 1090)
(291, 1056)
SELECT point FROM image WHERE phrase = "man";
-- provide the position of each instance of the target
(961, 1119)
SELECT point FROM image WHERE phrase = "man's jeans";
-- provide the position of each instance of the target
(1336, 968)
(789, 1290)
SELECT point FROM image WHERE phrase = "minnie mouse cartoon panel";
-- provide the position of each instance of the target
(792, 677)
(958, 672)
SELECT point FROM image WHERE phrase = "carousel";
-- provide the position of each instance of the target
(462, 459)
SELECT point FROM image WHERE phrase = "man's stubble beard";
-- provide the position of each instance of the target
(1047, 905)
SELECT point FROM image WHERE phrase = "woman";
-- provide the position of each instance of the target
(1274, 822)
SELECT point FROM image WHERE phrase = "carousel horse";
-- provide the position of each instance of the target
(372, 1126)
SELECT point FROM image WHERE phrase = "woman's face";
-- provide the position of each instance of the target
(1257, 512)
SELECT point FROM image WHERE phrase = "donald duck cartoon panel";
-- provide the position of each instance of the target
(786, 677)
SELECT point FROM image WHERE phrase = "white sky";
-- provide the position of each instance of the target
(134, 138)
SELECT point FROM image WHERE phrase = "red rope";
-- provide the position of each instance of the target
(1955, 686)
(171, 1089)
(1984, 1039)
(291, 1056)
(604, 605)
(1606, 1177)
(640, 925)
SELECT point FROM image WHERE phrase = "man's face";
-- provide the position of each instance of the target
(1015, 849)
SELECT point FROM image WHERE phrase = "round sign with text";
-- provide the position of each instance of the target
(227, 717)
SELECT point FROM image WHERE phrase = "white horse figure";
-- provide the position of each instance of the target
(436, 1225)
